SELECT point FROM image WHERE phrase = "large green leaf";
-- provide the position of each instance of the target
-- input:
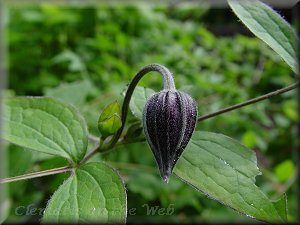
(94, 193)
(225, 170)
(45, 125)
(139, 99)
(269, 26)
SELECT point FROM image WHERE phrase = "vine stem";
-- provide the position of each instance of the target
(168, 85)
(248, 102)
(95, 150)
(37, 174)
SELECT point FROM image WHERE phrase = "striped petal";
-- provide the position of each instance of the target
(169, 121)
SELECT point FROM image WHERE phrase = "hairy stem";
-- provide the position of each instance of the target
(168, 85)
(248, 102)
(37, 174)
(94, 151)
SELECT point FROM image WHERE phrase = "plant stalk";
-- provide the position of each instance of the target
(95, 150)
(168, 85)
(248, 102)
(37, 174)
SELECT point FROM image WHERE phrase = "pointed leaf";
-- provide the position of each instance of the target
(270, 27)
(45, 125)
(95, 193)
(225, 170)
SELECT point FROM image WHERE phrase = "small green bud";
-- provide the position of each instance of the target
(109, 121)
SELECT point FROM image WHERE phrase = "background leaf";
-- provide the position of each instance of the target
(269, 26)
(74, 93)
(94, 193)
(138, 100)
(225, 170)
(75, 62)
(285, 171)
(45, 125)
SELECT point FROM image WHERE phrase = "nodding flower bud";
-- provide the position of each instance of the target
(169, 120)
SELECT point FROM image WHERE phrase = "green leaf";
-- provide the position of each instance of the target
(45, 125)
(74, 93)
(285, 170)
(270, 27)
(225, 170)
(139, 99)
(133, 132)
(76, 64)
(249, 139)
(109, 121)
(94, 193)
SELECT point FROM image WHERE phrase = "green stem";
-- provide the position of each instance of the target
(168, 85)
(37, 174)
(248, 102)
(94, 151)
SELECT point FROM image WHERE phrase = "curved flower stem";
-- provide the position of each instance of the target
(248, 102)
(37, 174)
(168, 85)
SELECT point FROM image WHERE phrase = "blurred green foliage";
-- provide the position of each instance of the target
(87, 55)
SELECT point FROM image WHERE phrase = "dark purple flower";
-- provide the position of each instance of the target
(169, 120)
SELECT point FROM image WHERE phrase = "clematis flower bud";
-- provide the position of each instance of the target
(169, 120)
